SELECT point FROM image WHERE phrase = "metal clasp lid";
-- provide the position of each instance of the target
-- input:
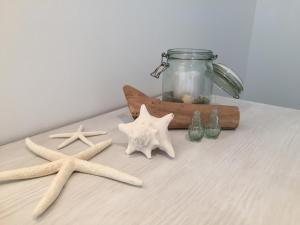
(162, 67)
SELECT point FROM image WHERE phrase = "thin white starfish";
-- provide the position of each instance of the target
(79, 134)
(64, 166)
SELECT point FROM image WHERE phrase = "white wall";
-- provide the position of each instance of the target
(64, 60)
(273, 76)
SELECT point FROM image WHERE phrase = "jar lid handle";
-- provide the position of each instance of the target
(162, 67)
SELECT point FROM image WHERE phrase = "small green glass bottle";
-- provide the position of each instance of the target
(212, 128)
(196, 131)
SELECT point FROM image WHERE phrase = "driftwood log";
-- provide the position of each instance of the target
(229, 116)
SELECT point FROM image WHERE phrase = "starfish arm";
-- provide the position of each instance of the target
(80, 128)
(43, 152)
(55, 188)
(62, 135)
(104, 171)
(85, 140)
(30, 172)
(67, 142)
(94, 150)
(93, 133)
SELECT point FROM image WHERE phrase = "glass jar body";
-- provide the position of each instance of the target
(188, 81)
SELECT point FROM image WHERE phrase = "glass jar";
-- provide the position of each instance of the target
(189, 75)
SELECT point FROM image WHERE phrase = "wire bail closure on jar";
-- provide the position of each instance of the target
(162, 67)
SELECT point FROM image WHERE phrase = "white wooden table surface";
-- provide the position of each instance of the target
(248, 176)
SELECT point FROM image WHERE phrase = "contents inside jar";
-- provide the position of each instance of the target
(187, 86)
(185, 98)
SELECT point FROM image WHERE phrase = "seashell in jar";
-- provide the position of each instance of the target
(187, 98)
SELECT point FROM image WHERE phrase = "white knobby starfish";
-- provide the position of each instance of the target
(79, 134)
(64, 166)
(147, 133)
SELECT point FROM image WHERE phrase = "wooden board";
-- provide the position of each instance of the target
(229, 116)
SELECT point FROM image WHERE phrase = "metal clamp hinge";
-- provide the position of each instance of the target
(162, 67)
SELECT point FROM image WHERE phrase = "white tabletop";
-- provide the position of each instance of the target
(247, 176)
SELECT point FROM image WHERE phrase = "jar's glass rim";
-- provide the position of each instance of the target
(190, 53)
(189, 50)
